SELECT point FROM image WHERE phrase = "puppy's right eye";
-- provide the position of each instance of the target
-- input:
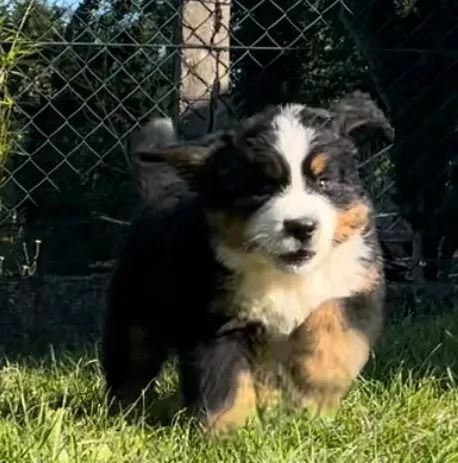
(250, 203)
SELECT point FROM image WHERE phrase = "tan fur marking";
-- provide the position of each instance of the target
(237, 413)
(318, 164)
(185, 155)
(229, 228)
(273, 167)
(351, 221)
(267, 395)
(268, 387)
(186, 159)
(326, 356)
(272, 170)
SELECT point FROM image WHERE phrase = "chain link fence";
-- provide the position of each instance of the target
(77, 79)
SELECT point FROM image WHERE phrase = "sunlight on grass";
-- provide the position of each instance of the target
(405, 410)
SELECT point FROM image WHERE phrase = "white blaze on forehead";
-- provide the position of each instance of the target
(293, 141)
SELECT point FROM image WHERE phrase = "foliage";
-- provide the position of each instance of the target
(408, 46)
(304, 56)
(98, 71)
(106, 67)
(13, 52)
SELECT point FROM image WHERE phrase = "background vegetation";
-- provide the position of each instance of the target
(76, 80)
(91, 71)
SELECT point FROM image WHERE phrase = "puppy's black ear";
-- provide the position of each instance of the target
(358, 116)
(160, 159)
(157, 143)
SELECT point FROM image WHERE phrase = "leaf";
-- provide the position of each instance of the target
(103, 454)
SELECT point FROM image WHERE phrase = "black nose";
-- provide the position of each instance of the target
(301, 229)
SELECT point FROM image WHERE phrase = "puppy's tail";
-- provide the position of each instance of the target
(156, 181)
(158, 133)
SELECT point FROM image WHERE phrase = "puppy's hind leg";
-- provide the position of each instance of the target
(132, 357)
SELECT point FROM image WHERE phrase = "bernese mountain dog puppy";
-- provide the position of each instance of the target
(255, 261)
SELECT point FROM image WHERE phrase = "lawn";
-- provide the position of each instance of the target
(404, 410)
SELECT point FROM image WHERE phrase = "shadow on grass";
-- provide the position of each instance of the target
(152, 407)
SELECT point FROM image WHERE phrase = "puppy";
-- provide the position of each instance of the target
(257, 263)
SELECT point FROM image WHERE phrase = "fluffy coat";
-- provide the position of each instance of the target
(255, 259)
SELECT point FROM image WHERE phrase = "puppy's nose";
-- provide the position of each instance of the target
(301, 229)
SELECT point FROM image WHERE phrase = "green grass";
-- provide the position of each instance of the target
(405, 410)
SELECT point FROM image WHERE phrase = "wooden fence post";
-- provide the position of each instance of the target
(203, 66)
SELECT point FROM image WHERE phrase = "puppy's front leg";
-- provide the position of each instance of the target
(218, 382)
(328, 351)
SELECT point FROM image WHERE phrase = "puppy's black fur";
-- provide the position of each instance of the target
(171, 293)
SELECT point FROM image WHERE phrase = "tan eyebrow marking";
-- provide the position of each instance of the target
(318, 164)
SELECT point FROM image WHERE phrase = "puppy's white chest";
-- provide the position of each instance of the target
(283, 301)
(279, 310)
(281, 304)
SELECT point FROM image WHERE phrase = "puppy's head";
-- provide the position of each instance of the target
(282, 189)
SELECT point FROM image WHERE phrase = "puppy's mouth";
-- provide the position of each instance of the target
(297, 258)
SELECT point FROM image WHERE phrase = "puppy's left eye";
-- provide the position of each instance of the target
(323, 183)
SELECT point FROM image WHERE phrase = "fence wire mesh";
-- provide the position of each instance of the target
(77, 79)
